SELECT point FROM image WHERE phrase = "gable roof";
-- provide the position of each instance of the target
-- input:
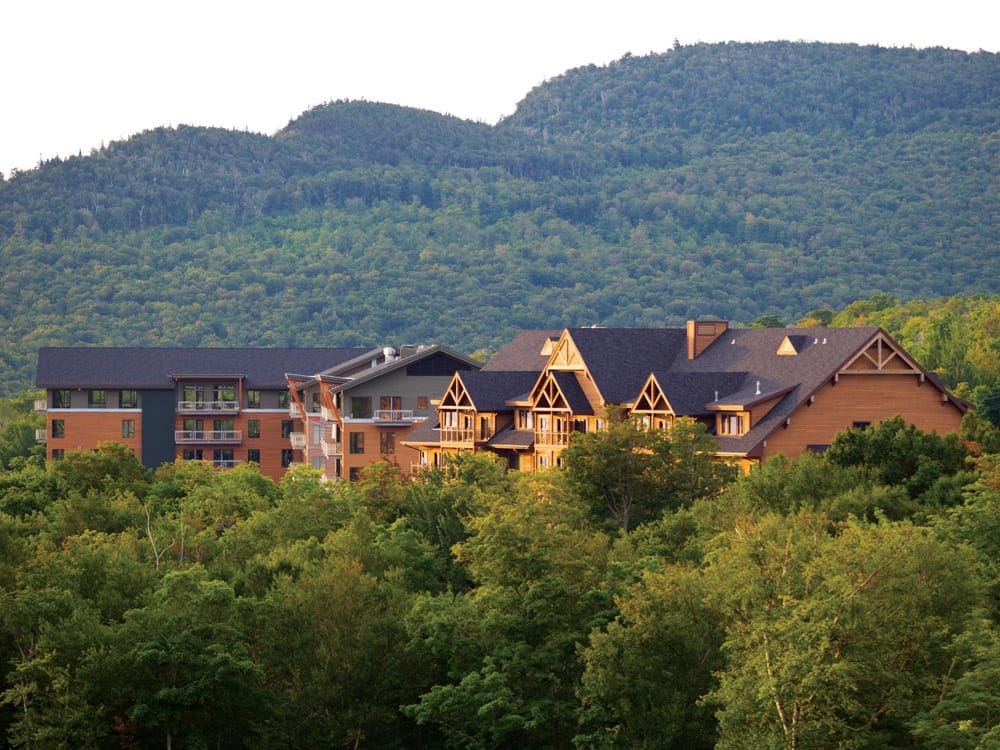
(524, 353)
(154, 367)
(490, 390)
(620, 359)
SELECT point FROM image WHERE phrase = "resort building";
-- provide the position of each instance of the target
(760, 391)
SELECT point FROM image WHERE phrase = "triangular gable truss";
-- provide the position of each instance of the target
(456, 396)
(881, 356)
(548, 396)
(652, 399)
(565, 355)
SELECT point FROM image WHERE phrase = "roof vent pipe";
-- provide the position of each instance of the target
(758, 388)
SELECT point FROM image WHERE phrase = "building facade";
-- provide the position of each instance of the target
(761, 392)
(223, 406)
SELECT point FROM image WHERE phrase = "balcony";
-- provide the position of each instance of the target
(297, 439)
(208, 436)
(393, 416)
(551, 437)
(226, 463)
(331, 448)
(458, 436)
(328, 414)
(40, 435)
(40, 405)
(294, 411)
(208, 407)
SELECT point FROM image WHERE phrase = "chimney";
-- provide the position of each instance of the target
(701, 334)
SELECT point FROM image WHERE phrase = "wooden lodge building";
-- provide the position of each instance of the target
(760, 391)
(229, 406)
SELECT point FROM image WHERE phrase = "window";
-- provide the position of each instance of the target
(817, 448)
(579, 425)
(193, 429)
(253, 455)
(314, 403)
(223, 458)
(191, 454)
(60, 398)
(286, 457)
(484, 428)
(357, 442)
(224, 392)
(355, 473)
(286, 428)
(315, 433)
(318, 463)
(387, 443)
(283, 399)
(390, 403)
(731, 424)
(97, 399)
(253, 428)
(194, 394)
(361, 407)
(128, 428)
(422, 402)
(225, 426)
(58, 428)
(58, 454)
(253, 399)
(128, 399)
(525, 419)
(861, 425)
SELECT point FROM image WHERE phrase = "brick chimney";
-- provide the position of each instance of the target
(701, 334)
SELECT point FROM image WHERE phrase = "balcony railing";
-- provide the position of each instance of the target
(208, 436)
(297, 439)
(40, 405)
(294, 411)
(226, 463)
(40, 435)
(208, 407)
(331, 448)
(328, 414)
(465, 435)
(551, 437)
(393, 416)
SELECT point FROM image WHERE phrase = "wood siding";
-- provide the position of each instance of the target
(863, 398)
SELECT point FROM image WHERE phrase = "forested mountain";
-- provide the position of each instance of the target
(732, 180)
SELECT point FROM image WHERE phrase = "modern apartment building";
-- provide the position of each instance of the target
(221, 405)
(351, 419)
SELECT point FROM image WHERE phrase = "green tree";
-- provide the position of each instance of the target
(833, 640)
(633, 474)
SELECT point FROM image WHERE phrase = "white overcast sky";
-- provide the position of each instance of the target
(76, 73)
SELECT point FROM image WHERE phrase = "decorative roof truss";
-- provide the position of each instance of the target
(882, 357)
(652, 400)
(548, 396)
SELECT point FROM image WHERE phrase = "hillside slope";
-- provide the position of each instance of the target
(731, 180)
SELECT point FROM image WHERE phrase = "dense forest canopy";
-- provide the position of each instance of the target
(725, 180)
(846, 600)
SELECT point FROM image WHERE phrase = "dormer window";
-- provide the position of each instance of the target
(731, 424)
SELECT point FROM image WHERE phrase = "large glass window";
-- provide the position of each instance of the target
(253, 455)
(60, 398)
(253, 399)
(224, 392)
(128, 399)
(191, 454)
(387, 443)
(194, 394)
(357, 442)
(128, 428)
(287, 455)
(283, 398)
(58, 428)
(361, 407)
(286, 428)
(97, 399)
(253, 428)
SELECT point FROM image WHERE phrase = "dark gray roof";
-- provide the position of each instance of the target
(490, 390)
(620, 359)
(508, 437)
(153, 367)
(424, 433)
(689, 393)
(575, 397)
(524, 353)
